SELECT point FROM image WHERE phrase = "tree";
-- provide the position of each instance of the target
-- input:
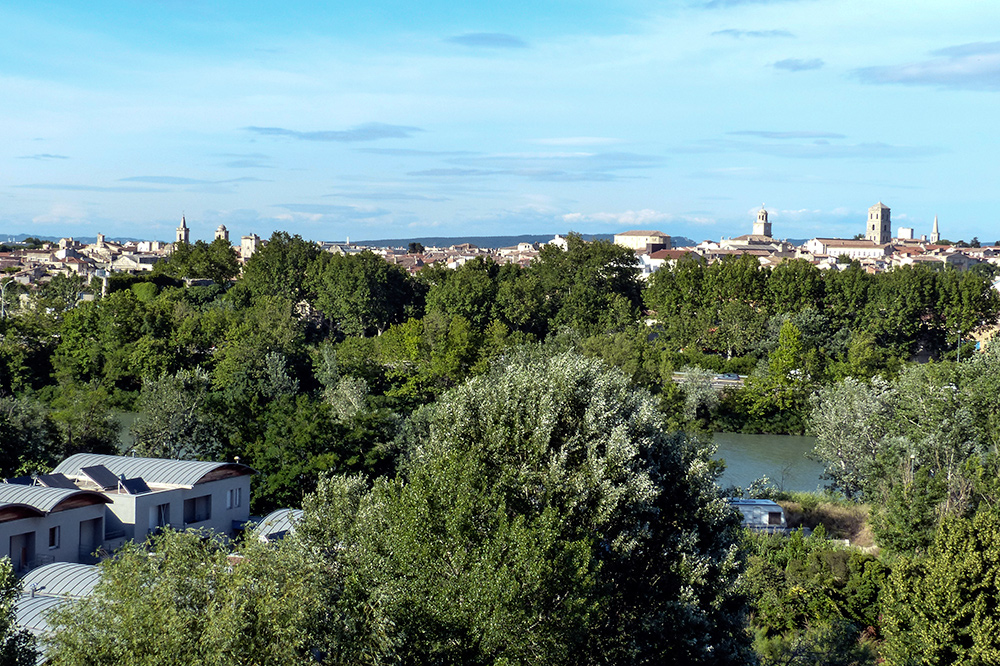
(27, 436)
(175, 418)
(17, 646)
(942, 609)
(851, 421)
(189, 602)
(362, 294)
(278, 268)
(543, 516)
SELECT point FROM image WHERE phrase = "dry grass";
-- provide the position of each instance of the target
(841, 520)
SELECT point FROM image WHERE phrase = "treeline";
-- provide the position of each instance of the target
(308, 362)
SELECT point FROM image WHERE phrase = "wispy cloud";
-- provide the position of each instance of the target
(974, 66)
(352, 212)
(42, 156)
(797, 65)
(642, 217)
(386, 196)
(89, 188)
(365, 132)
(453, 172)
(412, 152)
(761, 34)
(819, 149)
(719, 4)
(177, 180)
(490, 40)
(555, 167)
(578, 141)
(763, 134)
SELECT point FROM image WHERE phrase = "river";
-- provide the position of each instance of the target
(781, 457)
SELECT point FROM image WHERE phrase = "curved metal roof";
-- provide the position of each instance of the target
(277, 523)
(62, 579)
(43, 499)
(151, 470)
(32, 612)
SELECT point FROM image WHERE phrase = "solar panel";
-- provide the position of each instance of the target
(20, 480)
(56, 481)
(102, 476)
(134, 486)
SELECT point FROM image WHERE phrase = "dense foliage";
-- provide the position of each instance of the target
(481, 492)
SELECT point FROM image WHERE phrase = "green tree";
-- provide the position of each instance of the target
(852, 421)
(362, 294)
(17, 646)
(191, 602)
(278, 269)
(27, 436)
(544, 516)
(942, 609)
(176, 418)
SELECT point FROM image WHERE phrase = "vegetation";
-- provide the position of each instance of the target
(500, 464)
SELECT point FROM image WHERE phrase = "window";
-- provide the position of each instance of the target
(773, 517)
(54, 537)
(159, 515)
(197, 509)
(234, 498)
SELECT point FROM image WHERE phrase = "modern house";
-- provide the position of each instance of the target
(146, 494)
(39, 525)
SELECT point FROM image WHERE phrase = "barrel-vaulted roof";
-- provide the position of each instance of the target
(154, 470)
(277, 524)
(18, 501)
(62, 579)
(32, 612)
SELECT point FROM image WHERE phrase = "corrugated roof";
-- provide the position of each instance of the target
(278, 523)
(151, 470)
(40, 498)
(32, 611)
(62, 579)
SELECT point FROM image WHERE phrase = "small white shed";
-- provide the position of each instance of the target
(760, 514)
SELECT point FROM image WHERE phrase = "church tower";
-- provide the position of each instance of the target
(762, 227)
(878, 224)
(222, 232)
(183, 233)
(935, 234)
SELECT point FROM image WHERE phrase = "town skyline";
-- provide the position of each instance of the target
(457, 120)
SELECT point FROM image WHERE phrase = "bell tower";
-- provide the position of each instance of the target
(878, 224)
(183, 233)
(762, 227)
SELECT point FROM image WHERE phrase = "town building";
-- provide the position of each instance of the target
(647, 241)
(879, 227)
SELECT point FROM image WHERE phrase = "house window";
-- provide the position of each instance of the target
(234, 498)
(773, 517)
(159, 515)
(54, 534)
(198, 509)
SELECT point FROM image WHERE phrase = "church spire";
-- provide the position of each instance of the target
(935, 234)
(183, 233)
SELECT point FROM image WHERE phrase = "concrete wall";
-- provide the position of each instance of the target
(30, 536)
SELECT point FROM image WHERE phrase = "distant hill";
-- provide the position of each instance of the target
(489, 242)
(427, 241)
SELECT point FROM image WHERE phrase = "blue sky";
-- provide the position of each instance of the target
(388, 119)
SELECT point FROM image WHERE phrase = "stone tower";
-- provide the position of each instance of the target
(222, 233)
(183, 233)
(762, 227)
(878, 224)
(935, 234)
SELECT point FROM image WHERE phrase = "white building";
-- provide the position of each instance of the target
(150, 493)
(40, 525)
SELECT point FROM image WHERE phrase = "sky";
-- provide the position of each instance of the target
(390, 119)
